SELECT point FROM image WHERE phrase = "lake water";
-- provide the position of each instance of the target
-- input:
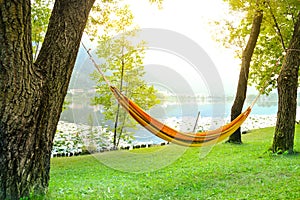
(183, 116)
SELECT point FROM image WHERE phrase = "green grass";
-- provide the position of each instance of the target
(224, 171)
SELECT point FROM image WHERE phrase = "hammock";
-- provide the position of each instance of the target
(169, 134)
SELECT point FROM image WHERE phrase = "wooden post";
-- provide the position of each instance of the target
(196, 122)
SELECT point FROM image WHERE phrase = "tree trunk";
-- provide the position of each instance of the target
(241, 92)
(287, 96)
(115, 142)
(32, 94)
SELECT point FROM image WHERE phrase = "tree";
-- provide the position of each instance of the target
(267, 55)
(241, 92)
(247, 53)
(287, 96)
(32, 93)
(124, 62)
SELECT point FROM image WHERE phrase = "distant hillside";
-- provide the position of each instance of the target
(81, 74)
(157, 75)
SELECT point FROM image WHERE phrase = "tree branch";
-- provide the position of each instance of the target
(277, 26)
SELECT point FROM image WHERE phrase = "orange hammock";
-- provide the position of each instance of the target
(169, 134)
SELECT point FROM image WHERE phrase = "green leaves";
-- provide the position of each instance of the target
(275, 34)
(122, 57)
(40, 14)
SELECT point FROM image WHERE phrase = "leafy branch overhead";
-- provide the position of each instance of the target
(106, 13)
(275, 34)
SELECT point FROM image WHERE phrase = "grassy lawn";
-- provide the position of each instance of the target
(224, 171)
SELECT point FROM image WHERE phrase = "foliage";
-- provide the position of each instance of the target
(103, 13)
(276, 31)
(40, 14)
(122, 62)
(65, 105)
(224, 171)
(100, 16)
(159, 3)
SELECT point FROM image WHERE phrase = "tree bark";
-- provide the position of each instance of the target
(287, 96)
(241, 92)
(32, 94)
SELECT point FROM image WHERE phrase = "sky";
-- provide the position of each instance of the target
(190, 18)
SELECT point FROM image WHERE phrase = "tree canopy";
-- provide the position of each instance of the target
(276, 31)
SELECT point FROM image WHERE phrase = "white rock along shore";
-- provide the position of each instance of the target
(72, 139)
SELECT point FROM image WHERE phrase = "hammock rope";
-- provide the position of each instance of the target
(167, 133)
(96, 65)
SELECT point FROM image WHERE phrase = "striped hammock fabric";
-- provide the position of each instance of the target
(171, 135)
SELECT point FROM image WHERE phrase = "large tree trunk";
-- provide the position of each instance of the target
(287, 96)
(241, 92)
(32, 94)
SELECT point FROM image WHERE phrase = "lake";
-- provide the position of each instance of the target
(180, 116)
